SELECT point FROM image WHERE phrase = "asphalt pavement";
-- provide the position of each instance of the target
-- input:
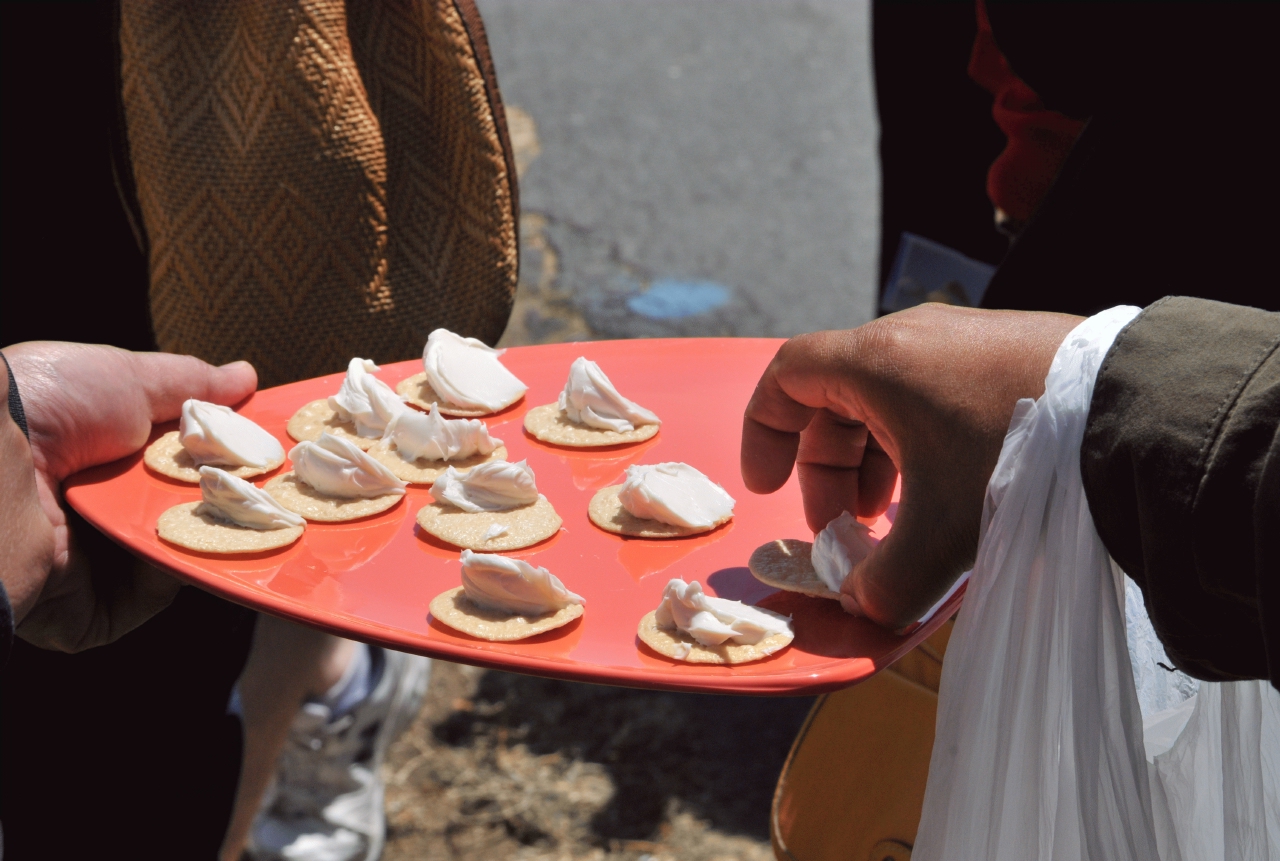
(701, 167)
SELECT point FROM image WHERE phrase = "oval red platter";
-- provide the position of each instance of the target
(373, 579)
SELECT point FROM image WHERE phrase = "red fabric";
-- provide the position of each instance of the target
(1038, 138)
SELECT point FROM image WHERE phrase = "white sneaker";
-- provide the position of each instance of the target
(326, 802)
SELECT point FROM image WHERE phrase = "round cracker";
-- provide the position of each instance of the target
(167, 457)
(424, 471)
(318, 418)
(606, 511)
(301, 498)
(671, 642)
(204, 533)
(456, 610)
(787, 564)
(526, 525)
(549, 424)
(417, 391)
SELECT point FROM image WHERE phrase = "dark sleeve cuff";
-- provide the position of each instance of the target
(1178, 467)
(15, 402)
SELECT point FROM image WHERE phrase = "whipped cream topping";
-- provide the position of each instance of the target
(468, 374)
(498, 485)
(217, 435)
(841, 545)
(712, 621)
(366, 401)
(589, 398)
(432, 436)
(339, 468)
(513, 586)
(235, 500)
(674, 493)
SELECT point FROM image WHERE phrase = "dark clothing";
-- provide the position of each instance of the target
(1181, 466)
(937, 139)
(1163, 195)
(6, 609)
(1169, 190)
(127, 746)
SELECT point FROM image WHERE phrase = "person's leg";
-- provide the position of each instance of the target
(288, 665)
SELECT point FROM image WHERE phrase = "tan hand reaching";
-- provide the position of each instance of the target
(929, 391)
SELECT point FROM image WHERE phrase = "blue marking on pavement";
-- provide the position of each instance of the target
(671, 298)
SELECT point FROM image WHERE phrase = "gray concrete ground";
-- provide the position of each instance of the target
(719, 153)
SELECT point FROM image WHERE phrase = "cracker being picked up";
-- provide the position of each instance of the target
(665, 500)
(504, 599)
(233, 517)
(818, 569)
(787, 564)
(590, 413)
(692, 626)
(494, 506)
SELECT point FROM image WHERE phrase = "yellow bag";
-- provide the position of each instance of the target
(853, 785)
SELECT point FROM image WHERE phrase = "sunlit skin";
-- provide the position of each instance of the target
(928, 392)
(88, 405)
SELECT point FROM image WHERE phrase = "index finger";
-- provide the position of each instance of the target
(771, 429)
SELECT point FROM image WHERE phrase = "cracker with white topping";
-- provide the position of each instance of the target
(550, 424)
(318, 418)
(196, 530)
(607, 512)
(679, 646)
(167, 457)
(417, 391)
(787, 564)
(525, 526)
(423, 470)
(301, 498)
(456, 610)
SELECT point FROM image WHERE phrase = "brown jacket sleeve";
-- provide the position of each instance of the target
(1181, 467)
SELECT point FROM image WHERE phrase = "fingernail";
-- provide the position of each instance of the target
(230, 365)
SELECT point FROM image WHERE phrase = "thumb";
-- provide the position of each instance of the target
(168, 380)
(933, 541)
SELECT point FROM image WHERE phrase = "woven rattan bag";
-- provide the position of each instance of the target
(318, 181)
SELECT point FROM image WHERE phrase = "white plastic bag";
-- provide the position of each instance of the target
(1039, 752)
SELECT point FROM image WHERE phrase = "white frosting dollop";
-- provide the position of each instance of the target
(498, 485)
(235, 500)
(674, 493)
(841, 545)
(589, 398)
(366, 401)
(339, 468)
(432, 436)
(513, 586)
(219, 436)
(712, 621)
(467, 373)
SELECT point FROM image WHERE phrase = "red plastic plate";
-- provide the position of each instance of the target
(373, 579)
